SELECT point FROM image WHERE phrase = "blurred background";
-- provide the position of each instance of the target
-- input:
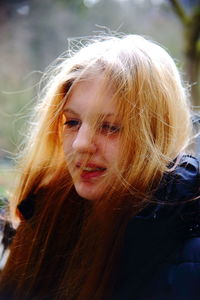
(34, 32)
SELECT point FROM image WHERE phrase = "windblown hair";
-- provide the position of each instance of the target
(70, 247)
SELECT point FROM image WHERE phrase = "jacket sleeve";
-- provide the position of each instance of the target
(178, 278)
(184, 276)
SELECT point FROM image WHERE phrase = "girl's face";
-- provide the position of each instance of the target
(91, 152)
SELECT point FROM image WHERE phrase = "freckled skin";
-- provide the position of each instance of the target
(100, 149)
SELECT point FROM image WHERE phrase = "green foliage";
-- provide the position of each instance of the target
(7, 180)
(2, 194)
(74, 5)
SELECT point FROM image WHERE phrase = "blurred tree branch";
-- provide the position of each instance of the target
(191, 27)
(179, 11)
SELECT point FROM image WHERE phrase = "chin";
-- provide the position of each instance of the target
(88, 192)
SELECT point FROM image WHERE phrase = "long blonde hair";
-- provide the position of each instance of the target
(155, 113)
(150, 93)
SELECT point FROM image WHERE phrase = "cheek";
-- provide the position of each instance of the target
(112, 152)
(67, 144)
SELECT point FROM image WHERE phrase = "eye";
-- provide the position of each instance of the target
(107, 128)
(73, 124)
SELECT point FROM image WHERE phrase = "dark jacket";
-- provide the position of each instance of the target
(161, 253)
(160, 258)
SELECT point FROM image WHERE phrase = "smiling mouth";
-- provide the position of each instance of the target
(89, 169)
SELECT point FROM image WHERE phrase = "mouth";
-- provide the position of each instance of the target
(91, 171)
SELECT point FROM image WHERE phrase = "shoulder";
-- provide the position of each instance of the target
(165, 237)
(181, 182)
(178, 199)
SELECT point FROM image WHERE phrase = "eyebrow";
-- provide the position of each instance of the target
(69, 110)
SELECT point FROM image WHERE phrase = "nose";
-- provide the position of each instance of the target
(84, 141)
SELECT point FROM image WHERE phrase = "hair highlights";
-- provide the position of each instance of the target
(153, 106)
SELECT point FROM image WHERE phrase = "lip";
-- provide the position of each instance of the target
(89, 165)
(91, 175)
(88, 175)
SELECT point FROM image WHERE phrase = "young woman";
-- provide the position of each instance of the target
(107, 202)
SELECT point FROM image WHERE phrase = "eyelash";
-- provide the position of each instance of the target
(73, 123)
(109, 129)
(105, 128)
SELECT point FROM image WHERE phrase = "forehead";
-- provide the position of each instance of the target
(91, 96)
